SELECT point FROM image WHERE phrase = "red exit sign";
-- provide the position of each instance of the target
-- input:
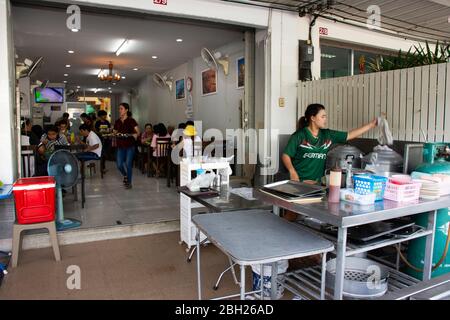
(323, 31)
(161, 2)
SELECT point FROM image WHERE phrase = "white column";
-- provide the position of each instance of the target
(8, 167)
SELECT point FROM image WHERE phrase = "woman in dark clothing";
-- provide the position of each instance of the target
(126, 145)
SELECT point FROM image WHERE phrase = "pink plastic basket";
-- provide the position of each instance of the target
(402, 192)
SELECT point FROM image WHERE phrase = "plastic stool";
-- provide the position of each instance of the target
(17, 238)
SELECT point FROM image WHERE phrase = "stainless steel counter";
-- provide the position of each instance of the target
(345, 214)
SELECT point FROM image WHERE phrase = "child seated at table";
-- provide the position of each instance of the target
(46, 148)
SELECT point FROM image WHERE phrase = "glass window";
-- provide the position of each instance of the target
(362, 60)
(335, 62)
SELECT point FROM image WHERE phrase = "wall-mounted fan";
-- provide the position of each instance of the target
(70, 93)
(162, 81)
(214, 59)
(134, 93)
(27, 67)
(42, 84)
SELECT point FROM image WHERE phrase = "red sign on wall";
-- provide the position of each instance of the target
(162, 2)
(323, 31)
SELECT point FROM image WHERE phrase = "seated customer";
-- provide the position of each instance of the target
(47, 147)
(93, 144)
(192, 143)
(147, 136)
(63, 126)
(159, 132)
(87, 120)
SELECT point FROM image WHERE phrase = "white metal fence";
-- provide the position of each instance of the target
(416, 101)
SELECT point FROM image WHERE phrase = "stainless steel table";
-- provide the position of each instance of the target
(224, 201)
(344, 215)
(258, 237)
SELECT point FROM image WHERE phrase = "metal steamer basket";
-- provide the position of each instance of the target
(363, 278)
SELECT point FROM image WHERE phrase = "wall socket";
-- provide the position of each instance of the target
(281, 102)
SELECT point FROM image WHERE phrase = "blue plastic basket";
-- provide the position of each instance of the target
(365, 184)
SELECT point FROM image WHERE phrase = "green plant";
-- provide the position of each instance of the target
(421, 56)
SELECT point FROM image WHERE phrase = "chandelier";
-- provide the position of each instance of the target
(105, 76)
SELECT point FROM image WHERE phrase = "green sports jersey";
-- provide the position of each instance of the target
(309, 154)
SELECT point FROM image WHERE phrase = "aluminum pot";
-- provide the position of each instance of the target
(383, 160)
(363, 278)
(337, 156)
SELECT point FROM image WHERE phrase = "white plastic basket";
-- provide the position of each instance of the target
(402, 192)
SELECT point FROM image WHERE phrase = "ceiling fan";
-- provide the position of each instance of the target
(214, 59)
(162, 81)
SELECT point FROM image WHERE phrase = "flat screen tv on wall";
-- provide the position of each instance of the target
(49, 95)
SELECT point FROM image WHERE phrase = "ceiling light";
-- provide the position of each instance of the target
(74, 30)
(114, 83)
(65, 81)
(154, 57)
(122, 47)
(124, 77)
(66, 75)
(180, 40)
(328, 56)
(71, 51)
(67, 65)
(135, 69)
(105, 76)
(109, 88)
(110, 91)
(78, 87)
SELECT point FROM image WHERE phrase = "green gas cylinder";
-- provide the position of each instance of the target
(435, 157)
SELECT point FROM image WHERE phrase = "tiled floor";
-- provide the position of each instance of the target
(108, 203)
(147, 267)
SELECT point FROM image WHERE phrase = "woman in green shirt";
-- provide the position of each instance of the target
(306, 152)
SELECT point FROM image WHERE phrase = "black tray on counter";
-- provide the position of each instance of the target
(209, 192)
(291, 190)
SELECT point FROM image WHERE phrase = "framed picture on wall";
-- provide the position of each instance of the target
(240, 73)
(209, 82)
(180, 91)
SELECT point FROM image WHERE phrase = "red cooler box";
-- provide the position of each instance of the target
(35, 199)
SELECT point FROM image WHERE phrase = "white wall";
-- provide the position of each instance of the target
(166, 108)
(7, 84)
(211, 10)
(220, 110)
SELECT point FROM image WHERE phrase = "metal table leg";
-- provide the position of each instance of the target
(273, 280)
(428, 258)
(83, 199)
(323, 276)
(199, 280)
(261, 283)
(340, 263)
(242, 282)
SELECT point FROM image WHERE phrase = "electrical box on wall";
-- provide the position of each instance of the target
(306, 57)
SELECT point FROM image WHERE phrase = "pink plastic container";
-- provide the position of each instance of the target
(402, 192)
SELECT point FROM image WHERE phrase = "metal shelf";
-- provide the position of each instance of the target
(353, 249)
(306, 282)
